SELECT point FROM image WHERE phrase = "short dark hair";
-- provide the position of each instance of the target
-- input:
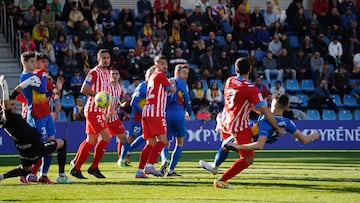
(160, 57)
(114, 68)
(27, 55)
(282, 100)
(101, 51)
(40, 56)
(242, 66)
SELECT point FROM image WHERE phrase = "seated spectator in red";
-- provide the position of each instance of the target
(27, 43)
(126, 22)
(203, 114)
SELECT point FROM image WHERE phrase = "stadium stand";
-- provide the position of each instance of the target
(328, 114)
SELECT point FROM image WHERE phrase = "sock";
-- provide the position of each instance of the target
(175, 157)
(46, 165)
(220, 157)
(99, 152)
(164, 154)
(155, 152)
(80, 148)
(15, 173)
(235, 169)
(119, 146)
(144, 156)
(36, 166)
(137, 142)
(83, 154)
(61, 158)
(124, 150)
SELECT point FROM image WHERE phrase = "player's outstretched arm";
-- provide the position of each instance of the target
(258, 145)
(270, 118)
(306, 138)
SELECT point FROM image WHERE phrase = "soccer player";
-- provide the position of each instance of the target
(135, 137)
(267, 133)
(153, 117)
(97, 80)
(240, 97)
(27, 138)
(116, 127)
(176, 105)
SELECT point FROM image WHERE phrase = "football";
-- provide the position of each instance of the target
(103, 99)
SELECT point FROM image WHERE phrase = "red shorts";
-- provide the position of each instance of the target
(116, 127)
(225, 135)
(95, 122)
(153, 126)
(245, 137)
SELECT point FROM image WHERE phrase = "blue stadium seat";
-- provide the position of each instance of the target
(233, 72)
(345, 115)
(294, 42)
(243, 52)
(272, 83)
(304, 98)
(292, 85)
(117, 40)
(204, 84)
(313, 114)
(126, 83)
(83, 97)
(307, 85)
(195, 68)
(326, 40)
(221, 39)
(219, 83)
(266, 83)
(129, 42)
(259, 55)
(328, 114)
(354, 81)
(192, 116)
(61, 116)
(67, 102)
(227, 27)
(53, 69)
(357, 115)
(205, 38)
(337, 100)
(116, 13)
(350, 101)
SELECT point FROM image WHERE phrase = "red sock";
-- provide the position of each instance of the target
(144, 156)
(235, 169)
(119, 148)
(36, 166)
(99, 152)
(83, 154)
(80, 148)
(155, 153)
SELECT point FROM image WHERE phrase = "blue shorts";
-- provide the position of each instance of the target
(46, 127)
(135, 129)
(176, 125)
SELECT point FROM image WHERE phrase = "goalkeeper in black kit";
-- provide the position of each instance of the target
(26, 138)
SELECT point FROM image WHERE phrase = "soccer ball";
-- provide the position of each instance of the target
(103, 99)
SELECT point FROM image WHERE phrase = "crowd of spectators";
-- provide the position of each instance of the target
(209, 37)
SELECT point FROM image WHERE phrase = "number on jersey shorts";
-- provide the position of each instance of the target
(116, 127)
(95, 122)
(45, 127)
(153, 126)
(135, 129)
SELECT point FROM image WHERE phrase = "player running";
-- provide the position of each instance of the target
(153, 117)
(135, 137)
(176, 105)
(97, 80)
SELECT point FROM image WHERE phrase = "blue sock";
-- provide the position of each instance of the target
(220, 157)
(175, 157)
(137, 142)
(124, 150)
(164, 153)
(46, 164)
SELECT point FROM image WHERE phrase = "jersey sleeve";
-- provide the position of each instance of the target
(256, 97)
(265, 129)
(90, 78)
(290, 126)
(164, 81)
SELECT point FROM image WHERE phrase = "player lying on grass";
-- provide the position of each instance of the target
(26, 138)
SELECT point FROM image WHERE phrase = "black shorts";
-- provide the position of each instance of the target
(30, 153)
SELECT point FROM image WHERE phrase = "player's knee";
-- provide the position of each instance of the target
(180, 141)
(61, 144)
(249, 160)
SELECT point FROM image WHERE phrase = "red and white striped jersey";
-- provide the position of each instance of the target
(156, 95)
(117, 93)
(240, 96)
(99, 80)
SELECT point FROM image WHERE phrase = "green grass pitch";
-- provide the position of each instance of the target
(276, 176)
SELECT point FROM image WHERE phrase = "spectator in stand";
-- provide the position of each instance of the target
(146, 33)
(155, 47)
(85, 8)
(106, 22)
(222, 12)
(214, 97)
(320, 45)
(334, 4)
(239, 34)
(307, 45)
(277, 89)
(27, 43)
(78, 110)
(109, 44)
(197, 96)
(203, 114)
(313, 30)
(210, 65)
(160, 5)
(61, 48)
(214, 43)
(316, 63)
(270, 16)
(196, 16)
(347, 18)
(126, 22)
(335, 50)
(321, 97)
(135, 82)
(40, 4)
(241, 15)
(87, 35)
(48, 16)
(275, 46)
(325, 73)
(210, 21)
(47, 48)
(174, 6)
(230, 46)
(177, 59)
(139, 49)
(293, 9)
(256, 19)
(276, 29)
(254, 65)
(24, 5)
(39, 32)
(333, 22)
(56, 31)
(356, 92)
(263, 89)
(321, 9)
(301, 64)
(177, 32)
(160, 32)
(103, 5)
(341, 81)
(284, 64)
(349, 49)
(285, 43)
(299, 22)
(345, 4)
(75, 19)
(356, 64)
(67, 9)
(202, 4)
(95, 13)
(131, 62)
(76, 82)
(76, 45)
(84, 62)
(144, 8)
(263, 38)
(169, 48)
(145, 62)
(353, 30)
(225, 65)
(179, 14)
(269, 67)
(70, 64)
